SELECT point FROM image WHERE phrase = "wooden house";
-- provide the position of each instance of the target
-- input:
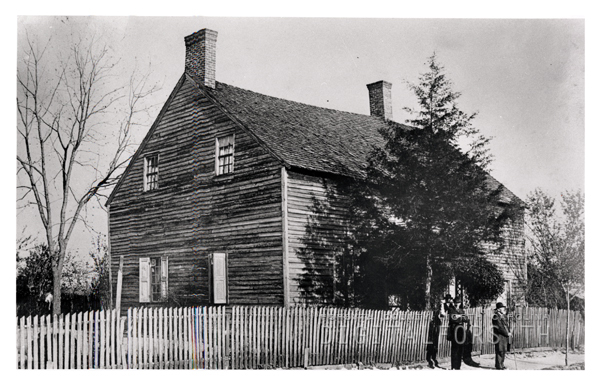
(214, 205)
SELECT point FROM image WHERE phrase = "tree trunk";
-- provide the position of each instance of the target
(57, 267)
(428, 279)
(567, 335)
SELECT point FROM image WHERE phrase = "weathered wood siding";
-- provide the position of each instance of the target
(509, 256)
(316, 227)
(195, 213)
(317, 224)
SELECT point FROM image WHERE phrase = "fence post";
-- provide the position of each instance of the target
(35, 351)
(79, 340)
(42, 342)
(49, 360)
(129, 338)
(22, 337)
(73, 332)
(18, 341)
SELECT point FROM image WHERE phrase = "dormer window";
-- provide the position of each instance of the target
(224, 155)
(151, 172)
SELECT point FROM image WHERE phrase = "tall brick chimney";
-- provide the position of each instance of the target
(380, 99)
(201, 55)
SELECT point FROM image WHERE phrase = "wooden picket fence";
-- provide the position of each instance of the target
(256, 337)
(532, 327)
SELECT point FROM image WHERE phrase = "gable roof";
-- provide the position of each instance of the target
(313, 138)
(300, 135)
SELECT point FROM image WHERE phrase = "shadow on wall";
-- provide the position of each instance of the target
(338, 269)
(351, 259)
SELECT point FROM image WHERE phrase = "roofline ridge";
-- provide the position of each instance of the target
(301, 103)
(523, 203)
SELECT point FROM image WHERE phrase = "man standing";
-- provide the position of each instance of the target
(433, 335)
(468, 345)
(456, 332)
(501, 334)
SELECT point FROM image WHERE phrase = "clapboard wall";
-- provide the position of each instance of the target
(509, 256)
(280, 227)
(317, 225)
(194, 213)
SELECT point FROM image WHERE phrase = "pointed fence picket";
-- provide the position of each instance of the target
(244, 337)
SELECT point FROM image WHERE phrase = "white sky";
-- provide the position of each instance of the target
(526, 78)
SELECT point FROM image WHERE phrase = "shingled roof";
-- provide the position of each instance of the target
(304, 136)
(310, 137)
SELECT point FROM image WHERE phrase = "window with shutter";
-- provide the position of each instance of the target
(144, 280)
(164, 277)
(154, 279)
(220, 278)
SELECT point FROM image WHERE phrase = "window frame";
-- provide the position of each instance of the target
(219, 157)
(147, 173)
(154, 279)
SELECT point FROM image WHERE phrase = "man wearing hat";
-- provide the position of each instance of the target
(501, 334)
(433, 334)
(456, 332)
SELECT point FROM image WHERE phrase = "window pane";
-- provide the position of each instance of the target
(155, 279)
(225, 154)
(151, 171)
(224, 141)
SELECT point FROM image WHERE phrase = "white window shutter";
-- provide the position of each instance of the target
(220, 278)
(144, 280)
(164, 277)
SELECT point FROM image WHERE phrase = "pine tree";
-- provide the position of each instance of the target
(428, 201)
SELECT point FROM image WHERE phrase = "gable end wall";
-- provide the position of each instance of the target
(195, 213)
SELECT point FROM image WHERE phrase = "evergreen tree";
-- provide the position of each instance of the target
(428, 206)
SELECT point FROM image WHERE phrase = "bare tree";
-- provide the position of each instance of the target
(74, 131)
(558, 245)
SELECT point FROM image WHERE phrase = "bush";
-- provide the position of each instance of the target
(35, 281)
(482, 280)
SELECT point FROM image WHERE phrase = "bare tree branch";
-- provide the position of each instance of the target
(61, 117)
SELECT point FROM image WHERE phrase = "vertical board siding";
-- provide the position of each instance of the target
(250, 337)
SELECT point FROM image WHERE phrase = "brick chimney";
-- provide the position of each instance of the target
(380, 99)
(201, 54)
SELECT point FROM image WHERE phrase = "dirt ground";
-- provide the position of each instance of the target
(530, 360)
(544, 360)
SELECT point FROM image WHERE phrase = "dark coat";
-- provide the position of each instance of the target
(501, 331)
(433, 334)
(457, 328)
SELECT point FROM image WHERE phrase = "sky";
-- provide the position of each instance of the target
(524, 77)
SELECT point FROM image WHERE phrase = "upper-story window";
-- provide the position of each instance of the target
(224, 156)
(151, 172)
